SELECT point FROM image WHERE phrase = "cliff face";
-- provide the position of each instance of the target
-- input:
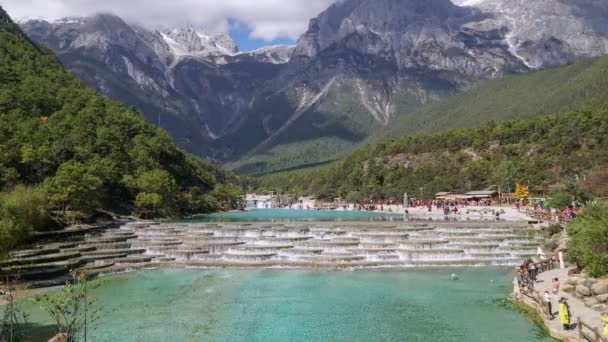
(360, 65)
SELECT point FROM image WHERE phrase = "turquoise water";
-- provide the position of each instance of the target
(279, 215)
(287, 305)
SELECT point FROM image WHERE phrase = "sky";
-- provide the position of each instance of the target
(252, 23)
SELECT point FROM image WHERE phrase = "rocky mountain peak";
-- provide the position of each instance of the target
(276, 54)
(190, 41)
(348, 17)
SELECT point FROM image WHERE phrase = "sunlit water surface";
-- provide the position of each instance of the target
(292, 305)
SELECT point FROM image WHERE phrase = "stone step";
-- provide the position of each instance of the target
(133, 259)
(127, 251)
(28, 253)
(41, 259)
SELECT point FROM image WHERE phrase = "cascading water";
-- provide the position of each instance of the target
(339, 244)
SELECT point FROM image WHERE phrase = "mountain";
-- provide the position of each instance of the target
(388, 58)
(556, 153)
(360, 67)
(556, 121)
(193, 84)
(83, 150)
(551, 91)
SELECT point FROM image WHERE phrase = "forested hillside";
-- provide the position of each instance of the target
(551, 91)
(75, 151)
(554, 151)
(533, 95)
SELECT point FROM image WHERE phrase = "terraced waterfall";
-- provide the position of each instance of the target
(307, 245)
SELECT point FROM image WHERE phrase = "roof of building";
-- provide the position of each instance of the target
(442, 193)
(480, 193)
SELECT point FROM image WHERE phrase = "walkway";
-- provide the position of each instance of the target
(577, 307)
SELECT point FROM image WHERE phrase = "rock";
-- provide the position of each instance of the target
(59, 338)
(581, 281)
(600, 287)
(568, 288)
(602, 298)
(590, 301)
(583, 290)
(600, 307)
(572, 280)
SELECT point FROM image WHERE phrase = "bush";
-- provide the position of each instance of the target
(11, 235)
(553, 229)
(27, 207)
(588, 245)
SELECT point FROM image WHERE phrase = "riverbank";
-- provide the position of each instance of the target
(471, 213)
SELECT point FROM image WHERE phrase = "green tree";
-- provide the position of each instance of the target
(72, 308)
(505, 175)
(560, 199)
(157, 187)
(74, 186)
(588, 245)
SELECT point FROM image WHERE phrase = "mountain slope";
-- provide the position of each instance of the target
(360, 67)
(552, 152)
(552, 91)
(85, 151)
(385, 59)
(193, 84)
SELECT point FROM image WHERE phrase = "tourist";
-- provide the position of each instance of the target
(532, 270)
(523, 269)
(564, 313)
(605, 321)
(547, 298)
(555, 285)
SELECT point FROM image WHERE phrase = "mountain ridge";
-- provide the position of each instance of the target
(360, 67)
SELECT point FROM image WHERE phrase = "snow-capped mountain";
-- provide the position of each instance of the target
(188, 41)
(360, 64)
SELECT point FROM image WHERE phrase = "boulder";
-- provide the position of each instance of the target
(600, 307)
(583, 290)
(590, 301)
(582, 281)
(600, 287)
(572, 280)
(603, 298)
(59, 338)
(568, 288)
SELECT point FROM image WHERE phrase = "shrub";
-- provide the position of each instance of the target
(11, 235)
(27, 207)
(552, 230)
(588, 245)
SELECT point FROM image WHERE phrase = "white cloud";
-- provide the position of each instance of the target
(268, 19)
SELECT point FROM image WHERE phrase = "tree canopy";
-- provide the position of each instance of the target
(83, 151)
(554, 151)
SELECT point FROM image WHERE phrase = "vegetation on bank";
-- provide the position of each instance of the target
(588, 244)
(564, 153)
(65, 149)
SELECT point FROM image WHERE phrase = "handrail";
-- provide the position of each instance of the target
(585, 331)
(593, 336)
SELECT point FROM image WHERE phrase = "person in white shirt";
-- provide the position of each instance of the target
(547, 298)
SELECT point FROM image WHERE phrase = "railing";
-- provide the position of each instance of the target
(585, 331)
(589, 333)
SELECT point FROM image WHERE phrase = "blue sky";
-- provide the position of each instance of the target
(241, 34)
